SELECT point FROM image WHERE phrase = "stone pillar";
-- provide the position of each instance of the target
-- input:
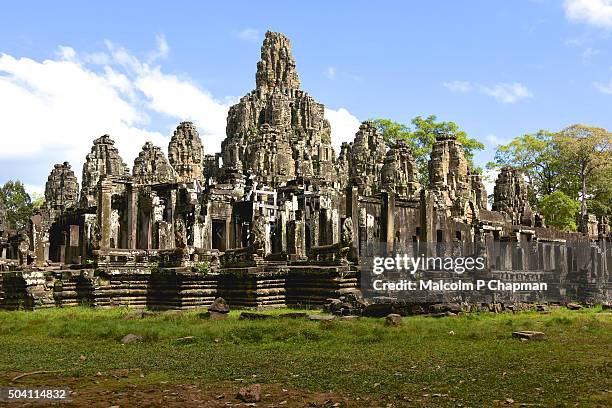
(335, 227)
(132, 216)
(105, 196)
(296, 240)
(314, 228)
(228, 233)
(388, 220)
(352, 210)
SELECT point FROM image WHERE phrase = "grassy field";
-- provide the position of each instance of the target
(469, 360)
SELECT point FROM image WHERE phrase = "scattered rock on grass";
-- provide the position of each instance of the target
(218, 310)
(185, 340)
(321, 317)
(219, 305)
(293, 315)
(130, 338)
(574, 306)
(255, 316)
(251, 393)
(393, 319)
(529, 335)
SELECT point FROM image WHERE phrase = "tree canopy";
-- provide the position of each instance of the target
(576, 161)
(18, 204)
(421, 137)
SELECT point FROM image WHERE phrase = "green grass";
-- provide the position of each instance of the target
(470, 360)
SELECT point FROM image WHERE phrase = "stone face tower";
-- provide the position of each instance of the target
(277, 66)
(367, 159)
(277, 132)
(186, 153)
(510, 196)
(104, 160)
(454, 188)
(62, 188)
(151, 166)
(399, 173)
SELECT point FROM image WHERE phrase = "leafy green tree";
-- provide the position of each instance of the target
(38, 200)
(586, 151)
(559, 210)
(537, 156)
(422, 137)
(18, 204)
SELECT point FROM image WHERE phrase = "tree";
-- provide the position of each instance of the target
(537, 157)
(587, 151)
(422, 138)
(18, 204)
(559, 210)
(38, 200)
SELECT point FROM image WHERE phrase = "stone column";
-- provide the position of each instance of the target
(352, 210)
(388, 220)
(228, 235)
(104, 212)
(132, 216)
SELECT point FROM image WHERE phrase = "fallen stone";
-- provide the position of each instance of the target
(542, 308)
(186, 339)
(147, 313)
(446, 307)
(377, 310)
(130, 338)
(529, 335)
(606, 306)
(213, 315)
(293, 315)
(219, 306)
(393, 319)
(321, 317)
(574, 306)
(255, 316)
(441, 314)
(250, 394)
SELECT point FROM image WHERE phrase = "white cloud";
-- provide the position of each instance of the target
(594, 12)
(162, 49)
(344, 125)
(503, 92)
(56, 107)
(248, 34)
(181, 99)
(589, 52)
(488, 179)
(330, 72)
(496, 140)
(458, 86)
(508, 92)
(604, 88)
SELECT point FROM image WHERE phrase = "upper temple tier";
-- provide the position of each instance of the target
(277, 132)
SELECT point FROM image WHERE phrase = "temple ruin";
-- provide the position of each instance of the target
(276, 218)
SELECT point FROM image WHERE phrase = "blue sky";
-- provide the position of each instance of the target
(72, 71)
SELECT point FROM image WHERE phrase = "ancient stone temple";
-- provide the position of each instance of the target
(276, 218)
(400, 173)
(186, 153)
(152, 167)
(367, 159)
(510, 196)
(62, 188)
(278, 132)
(104, 160)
